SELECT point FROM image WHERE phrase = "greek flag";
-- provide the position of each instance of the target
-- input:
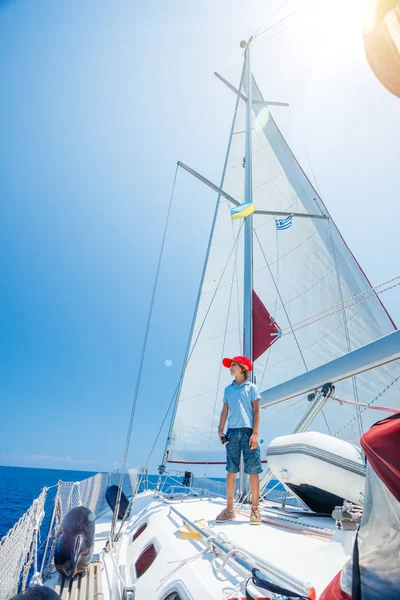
(284, 223)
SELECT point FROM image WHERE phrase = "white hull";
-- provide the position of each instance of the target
(308, 548)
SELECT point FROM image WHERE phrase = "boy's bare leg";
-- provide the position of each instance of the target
(255, 490)
(230, 490)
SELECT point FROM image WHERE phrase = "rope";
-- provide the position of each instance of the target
(236, 591)
(371, 291)
(283, 411)
(384, 408)
(346, 328)
(256, 34)
(240, 340)
(144, 347)
(200, 144)
(264, 492)
(280, 298)
(182, 375)
(280, 21)
(284, 28)
(183, 563)
(276, 304)
(18, 548)
(240, 553)
(367, 406)
(209, 549)
(291, 327)
(221, 357)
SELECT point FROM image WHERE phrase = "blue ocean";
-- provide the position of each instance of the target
(19, 486)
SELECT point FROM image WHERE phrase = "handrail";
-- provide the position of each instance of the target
(301, 587)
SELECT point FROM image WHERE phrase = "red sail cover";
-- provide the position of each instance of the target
(265, 329)
(379, 534)
(334, 591)
(381, 445)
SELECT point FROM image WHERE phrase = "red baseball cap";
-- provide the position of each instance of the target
(243, 360)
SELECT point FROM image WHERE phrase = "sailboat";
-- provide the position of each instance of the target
(281, 287)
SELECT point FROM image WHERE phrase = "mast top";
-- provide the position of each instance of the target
(244, 44)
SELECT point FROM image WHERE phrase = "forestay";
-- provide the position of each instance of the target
(298, 272)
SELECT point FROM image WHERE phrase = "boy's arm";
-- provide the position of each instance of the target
(256, 424)
(222, 419)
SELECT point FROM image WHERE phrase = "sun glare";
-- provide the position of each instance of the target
(333, 31)
(340, 22)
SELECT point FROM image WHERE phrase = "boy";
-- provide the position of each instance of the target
(241, 406)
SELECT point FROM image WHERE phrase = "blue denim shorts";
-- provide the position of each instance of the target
(239, 443)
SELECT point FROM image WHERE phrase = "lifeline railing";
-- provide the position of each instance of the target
(22, 550)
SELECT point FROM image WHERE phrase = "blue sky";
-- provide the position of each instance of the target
(99, 100)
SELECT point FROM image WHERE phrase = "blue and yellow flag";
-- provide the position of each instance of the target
(242, 211)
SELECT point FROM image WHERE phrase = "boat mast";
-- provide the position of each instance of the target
(248, 222)
(248, 239)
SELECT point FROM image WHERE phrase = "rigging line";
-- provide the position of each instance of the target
(240, 344)
(144, 347)
(340, 309)
(237, 289)
(215, 293)
(312, 173)
(287, 316)
(268, 20)
(280, 298)
(326, 422)
(276, 303)
(221, 357)
(314, 285)
(282, 19)
(383, 408)
(367, 406)
(200, 144)
(347, 303)
(149, 456)
(281, 30)
(318, 341)
(187, 361)
(270, 178)
(369, 292)
(199, 294)
(345, 320)
(209, 307)
(346, 326)
(184, 146)
(283, 411)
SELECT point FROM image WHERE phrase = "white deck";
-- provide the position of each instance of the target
(307, 556)
(301, 546)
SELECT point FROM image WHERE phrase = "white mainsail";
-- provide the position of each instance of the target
(298, 272)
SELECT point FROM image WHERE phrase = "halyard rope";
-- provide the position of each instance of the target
(367, 406)
(182, 375)
(141, 362)
(221, 356)
(372, 293)
(360, 404)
